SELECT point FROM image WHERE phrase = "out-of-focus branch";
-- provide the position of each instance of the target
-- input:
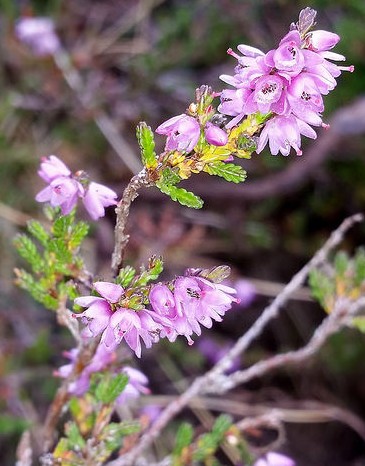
(102, 120)
(339, 317)
(215, 375)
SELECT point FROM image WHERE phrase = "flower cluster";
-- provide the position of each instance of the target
(64, 189)
(193, 302)
(39, 34)
(137, 381)
(287, 82)
(101, 359)
(183, 133)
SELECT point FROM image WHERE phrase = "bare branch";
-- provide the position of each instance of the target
(201, 384)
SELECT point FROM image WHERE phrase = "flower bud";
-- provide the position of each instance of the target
(215, 135)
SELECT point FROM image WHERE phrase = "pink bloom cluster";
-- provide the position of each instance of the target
(101, 359)
(137, 381)
(39, 34)
(64, 189)
(183, 133)
(194, 302)
(288, 82)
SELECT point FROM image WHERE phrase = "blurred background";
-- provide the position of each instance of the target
(142, 60)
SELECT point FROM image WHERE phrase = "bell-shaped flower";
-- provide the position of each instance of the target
(320, 41)
(96, 198)
(215, 135)
(182, 133)
(52, 167)
(62, 192)
(163, 303)
(305, 100)
(282, 133)
(269, 95)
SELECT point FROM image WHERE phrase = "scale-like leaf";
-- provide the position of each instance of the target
(109, 389)
(38, 231)
(181, 195)
(147, 144)
(228, 171)
(28, 250)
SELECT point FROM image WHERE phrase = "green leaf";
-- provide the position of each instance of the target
(221, 425)
(28, 250)
(122, 429)
(60, 249)
(125, 276)
(62, 226)
(184, 437)
(170, 177)
(228, 171)
(322, 287)
(359, 267)
(216, 274)
(79, 233)
(10, 425)
(341, 263)
(147, 144)
(109, 388)
(359, 323)
(38, 231)
(180, 195)
(73, 434)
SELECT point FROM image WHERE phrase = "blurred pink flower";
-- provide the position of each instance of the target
(137, 385)
(274, 459)
(39, 34)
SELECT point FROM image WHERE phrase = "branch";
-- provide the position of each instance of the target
(122, 211)
(341, 315)
(200, 384)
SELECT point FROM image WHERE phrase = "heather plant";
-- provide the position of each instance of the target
(275, 98)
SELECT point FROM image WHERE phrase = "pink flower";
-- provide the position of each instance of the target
(100, 361)
(137, 385)
(106, 316)
(246, 292)
(269, 96)
(288, 81)
(193, 302)
(321, 40)
(215, 135)
(282, 133)
(39, 34)
(96, 198)
(274, 459)
(163, 303)
(51, 168)
(182, 133)
(62, 192)
(64, 189)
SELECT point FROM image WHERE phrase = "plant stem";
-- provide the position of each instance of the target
(122, 211)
